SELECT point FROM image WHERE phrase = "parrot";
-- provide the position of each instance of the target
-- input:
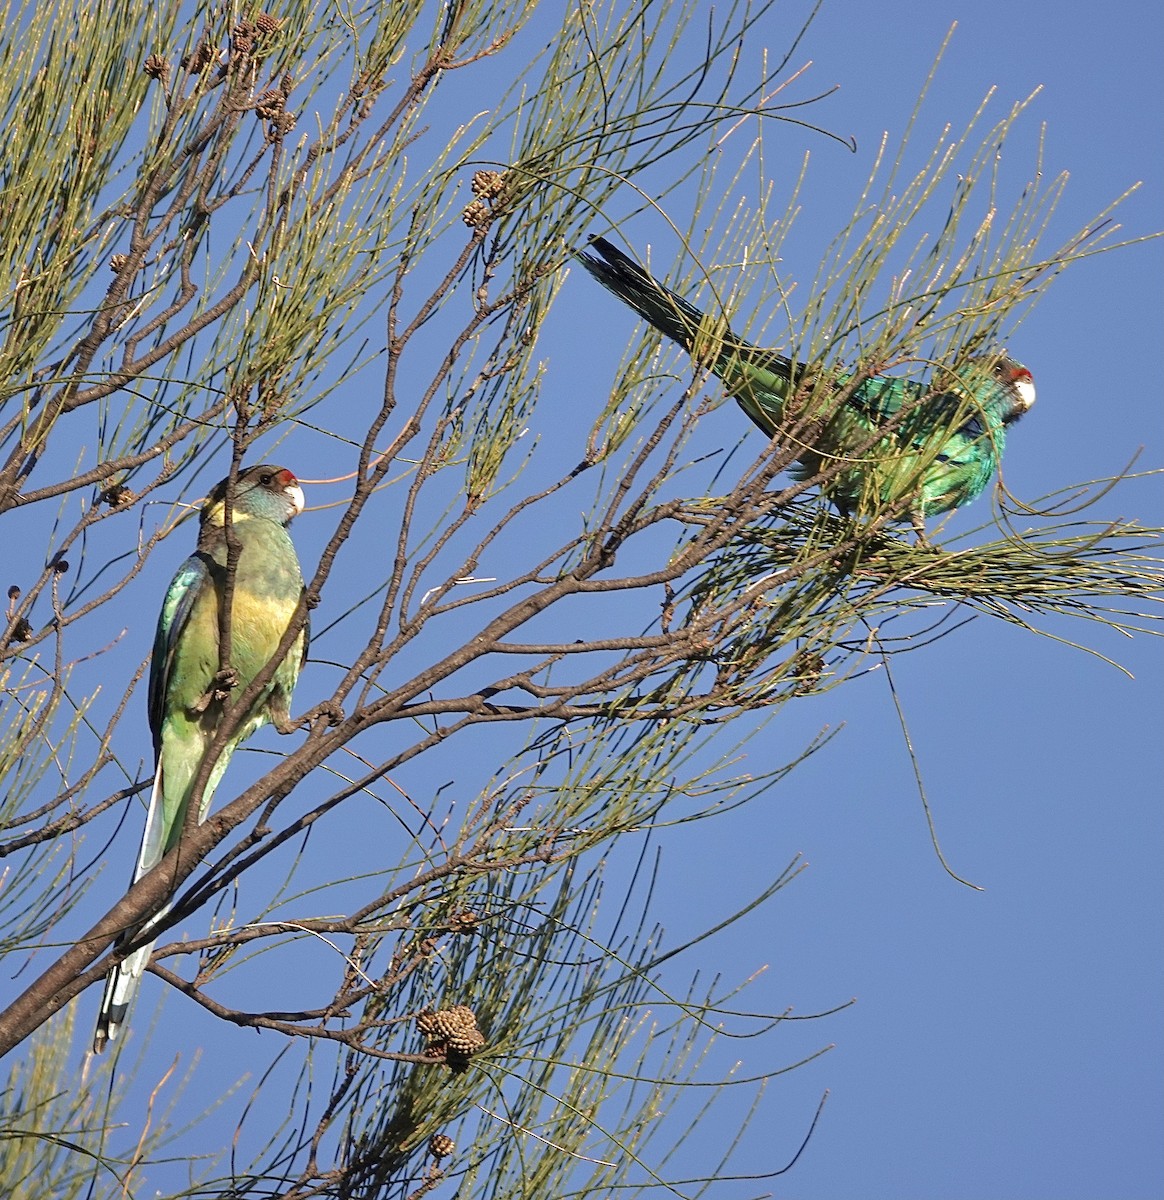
(939, 455)
(188, 693)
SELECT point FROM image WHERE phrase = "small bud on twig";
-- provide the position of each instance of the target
(487, 184)
(476, 214)
(196, 63)
(156, 67)
(451, 1032)
(118, 495)
(440, 1145)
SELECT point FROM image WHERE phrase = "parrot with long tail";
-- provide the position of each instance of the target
(187, 699)
(941, 445)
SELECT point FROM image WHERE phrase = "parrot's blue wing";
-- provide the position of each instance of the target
(192, 576)
(968, 439)
(880, 398)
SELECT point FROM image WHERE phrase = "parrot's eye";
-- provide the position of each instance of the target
(265, 480)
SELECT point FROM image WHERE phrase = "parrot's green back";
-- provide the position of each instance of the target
(185, 710)
(894, 441)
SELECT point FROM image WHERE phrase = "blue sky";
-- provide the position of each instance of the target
(1005, 1044)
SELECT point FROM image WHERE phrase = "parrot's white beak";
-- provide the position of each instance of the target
(1024, 387)
(294, 493)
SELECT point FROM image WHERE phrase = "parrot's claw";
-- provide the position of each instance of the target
(221, 686)
(328, 709)
(919, 527)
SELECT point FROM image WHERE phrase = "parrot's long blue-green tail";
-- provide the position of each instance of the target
(123, 980)
(667, 312)
(121, 986)
(709, 342)
(759, 379)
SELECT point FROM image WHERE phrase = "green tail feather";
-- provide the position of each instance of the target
(759, 379)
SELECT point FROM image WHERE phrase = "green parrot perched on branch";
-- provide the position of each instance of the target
(941, 446)
(189, 693)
